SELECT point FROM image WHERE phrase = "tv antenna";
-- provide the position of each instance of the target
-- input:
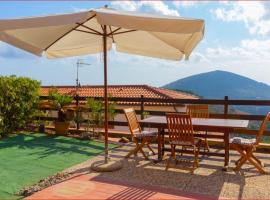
(80, 63)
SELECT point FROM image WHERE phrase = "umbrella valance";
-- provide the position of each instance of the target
(81, 33)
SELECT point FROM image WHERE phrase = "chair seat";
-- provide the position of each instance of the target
(243, 141)
(144, 134)
(186, 143)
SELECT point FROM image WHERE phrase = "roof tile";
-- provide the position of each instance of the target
(133, 91)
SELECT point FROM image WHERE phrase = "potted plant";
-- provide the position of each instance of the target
(60, 103)
(96, 115)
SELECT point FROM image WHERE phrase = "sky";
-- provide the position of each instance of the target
(236, 40)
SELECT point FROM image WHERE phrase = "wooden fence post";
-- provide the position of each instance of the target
(142, 107)
(77, 112)
(226, 106)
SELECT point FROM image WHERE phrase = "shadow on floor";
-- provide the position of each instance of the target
(50, 145)
(209, 179)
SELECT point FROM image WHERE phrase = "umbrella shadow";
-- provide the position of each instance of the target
(50, 145)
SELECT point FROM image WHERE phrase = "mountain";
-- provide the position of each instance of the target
(217, 84)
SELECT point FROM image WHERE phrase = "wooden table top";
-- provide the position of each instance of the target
(207, 122)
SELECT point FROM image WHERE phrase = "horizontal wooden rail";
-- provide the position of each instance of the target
(212, 115)
(226, 102)
(182, 101)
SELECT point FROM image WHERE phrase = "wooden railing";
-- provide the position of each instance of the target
(226, 103)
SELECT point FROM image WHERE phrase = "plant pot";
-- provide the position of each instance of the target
(70, 114)
(61, 128)
(41, 128)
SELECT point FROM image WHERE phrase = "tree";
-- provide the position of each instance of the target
(96, 114)
(19, 97)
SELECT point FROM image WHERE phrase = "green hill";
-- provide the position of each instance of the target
(217, 84)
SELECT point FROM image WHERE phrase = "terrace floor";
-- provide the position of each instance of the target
(142, 179)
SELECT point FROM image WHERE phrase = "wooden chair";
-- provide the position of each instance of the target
(139, 137)
(246, 148)
(200, 111)
(181, 134)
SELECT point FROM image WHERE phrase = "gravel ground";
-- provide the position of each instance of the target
(208, 179)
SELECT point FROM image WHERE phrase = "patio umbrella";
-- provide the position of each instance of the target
(96, 30)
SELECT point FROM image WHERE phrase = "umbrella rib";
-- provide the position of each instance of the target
(68, 32)
(112, 34)
(86, 32)
(91, 29)
(124, 32)
(102, 28)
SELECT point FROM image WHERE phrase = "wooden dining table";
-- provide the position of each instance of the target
(225, 126)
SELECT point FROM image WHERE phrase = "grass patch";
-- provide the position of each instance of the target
(27, 158)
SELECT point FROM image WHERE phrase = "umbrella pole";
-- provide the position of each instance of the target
(105, 93)
(112, 165)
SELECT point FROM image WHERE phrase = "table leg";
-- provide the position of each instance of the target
(159, 145)
(163, 142)
(227, 149)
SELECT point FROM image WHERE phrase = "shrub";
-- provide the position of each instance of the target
(18, 102)
(59, 102)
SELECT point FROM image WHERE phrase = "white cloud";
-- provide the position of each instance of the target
(187, 4)
(125, 5)
(250, 58)
(249, 50)
(76, 9)
(252, 13)
(158, 7)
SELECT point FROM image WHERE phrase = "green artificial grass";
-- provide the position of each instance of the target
(27, 158)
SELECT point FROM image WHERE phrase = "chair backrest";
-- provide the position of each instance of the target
(133, 123)
(198, 111)
(180, 127)
(262, 128)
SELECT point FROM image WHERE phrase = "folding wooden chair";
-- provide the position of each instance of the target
(246, 148)
(139, 137)
(181, 134)
(200, 111)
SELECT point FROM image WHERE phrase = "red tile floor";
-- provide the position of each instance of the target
(89, 187)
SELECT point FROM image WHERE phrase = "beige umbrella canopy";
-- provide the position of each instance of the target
(95, 31)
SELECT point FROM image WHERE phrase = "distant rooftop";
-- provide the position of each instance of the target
(131, 91)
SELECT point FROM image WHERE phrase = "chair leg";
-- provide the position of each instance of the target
(255, 162)
(133, 151)
(242, 159)
(173, 151)
(168, 162)
(260, 162)
(240, 164)
(257, 165)
(196, 160)
(141, 150)
(171, 156)
(236, 162)
(149, 147)
(206, 145)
